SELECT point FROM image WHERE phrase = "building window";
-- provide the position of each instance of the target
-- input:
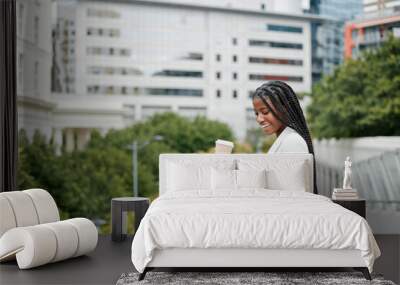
(262, 43)
(109, 89)
(218, 57)
(218, 93)
(93, 89)
(192, 56)
(268, 77)
(218, 75)
(281, 61)
(262, 6)
(283, 28)
(234, 41)
(179, 73)
(234, 58)
(173, 92)
(124, 52)
(251, 94)
(234, 75)
(234, 94)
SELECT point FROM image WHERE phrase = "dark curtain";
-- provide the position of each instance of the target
(8, 97)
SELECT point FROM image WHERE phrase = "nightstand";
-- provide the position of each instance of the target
(357, 206)
(119, 208)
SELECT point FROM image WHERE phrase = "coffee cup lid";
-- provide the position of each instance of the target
(227, 143)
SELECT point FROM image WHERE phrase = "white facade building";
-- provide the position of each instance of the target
(380, 7)
(35, 107)
(127, 60)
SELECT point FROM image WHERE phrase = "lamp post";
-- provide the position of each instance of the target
(135, 147)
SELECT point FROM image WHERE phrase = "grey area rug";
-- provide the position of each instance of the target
(225, 278)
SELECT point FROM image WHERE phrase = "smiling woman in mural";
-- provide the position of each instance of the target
(278, 112)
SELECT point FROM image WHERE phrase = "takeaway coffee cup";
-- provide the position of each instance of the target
(222, 146)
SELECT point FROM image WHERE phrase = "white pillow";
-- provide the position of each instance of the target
(251, 178)
(223, 179)
(182, 177)
(290, 177)
(282, 174)
(193, 174)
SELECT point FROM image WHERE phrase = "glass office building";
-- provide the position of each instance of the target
(327, 36)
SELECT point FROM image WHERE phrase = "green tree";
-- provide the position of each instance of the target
(83, 182)
(24, 178)
(180, 134)
(361, 98)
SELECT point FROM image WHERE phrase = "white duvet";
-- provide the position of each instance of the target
(254, 218)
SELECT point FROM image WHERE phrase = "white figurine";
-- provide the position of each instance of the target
(347, 174)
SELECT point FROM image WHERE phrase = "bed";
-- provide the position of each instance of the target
(247, 210)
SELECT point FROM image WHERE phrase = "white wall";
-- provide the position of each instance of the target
(34, 66)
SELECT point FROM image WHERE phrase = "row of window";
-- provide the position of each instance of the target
(179, 73)
(102, 13)
(111, 70)
(197, 56)
(106, 32)
(108, 51)
(284, 28)
(263, 43)
(108, 70)
(281, 61)
(125, 90)
(267, 77)
(173, 92)
(192, 56)
(218, 57)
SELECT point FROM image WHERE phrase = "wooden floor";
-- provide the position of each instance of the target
(110, 260)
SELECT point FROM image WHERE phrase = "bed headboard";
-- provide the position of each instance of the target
(265, 159)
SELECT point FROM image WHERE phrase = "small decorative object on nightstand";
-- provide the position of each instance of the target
(119, 207)
(347, 192)
(355, 205)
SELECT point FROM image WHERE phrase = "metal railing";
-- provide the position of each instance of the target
(377, 180)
